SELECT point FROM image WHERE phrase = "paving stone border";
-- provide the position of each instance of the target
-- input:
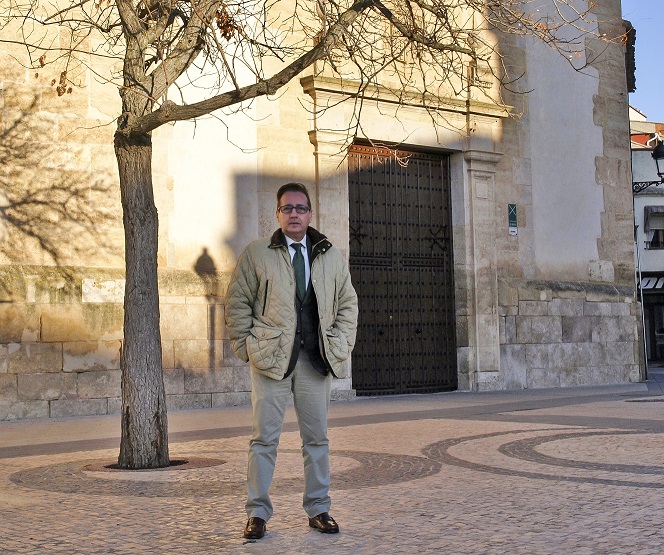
(179, 463)
(524, 449)
(374, 470)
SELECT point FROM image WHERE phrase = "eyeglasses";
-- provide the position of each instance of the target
(288, 208)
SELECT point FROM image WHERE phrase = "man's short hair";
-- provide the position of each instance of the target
(293, 188)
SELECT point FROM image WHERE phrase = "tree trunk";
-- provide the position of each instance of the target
(144, 440)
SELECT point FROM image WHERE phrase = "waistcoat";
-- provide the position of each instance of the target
(306, 332)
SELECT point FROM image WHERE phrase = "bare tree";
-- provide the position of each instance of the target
(416, 49)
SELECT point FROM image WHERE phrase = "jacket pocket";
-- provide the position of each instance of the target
(267, 289)
(337, 344)
(263, 346)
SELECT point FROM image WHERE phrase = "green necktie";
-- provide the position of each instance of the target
(298, 267)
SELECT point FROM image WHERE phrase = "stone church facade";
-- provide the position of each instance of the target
(523, 262)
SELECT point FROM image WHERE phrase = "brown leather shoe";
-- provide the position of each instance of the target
(255, 528)
(324, 523)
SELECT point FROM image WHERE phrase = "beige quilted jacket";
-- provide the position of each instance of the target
(260, 305)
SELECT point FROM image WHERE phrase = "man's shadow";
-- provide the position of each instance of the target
(207, 271)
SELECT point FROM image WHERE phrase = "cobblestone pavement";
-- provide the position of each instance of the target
(566, 471)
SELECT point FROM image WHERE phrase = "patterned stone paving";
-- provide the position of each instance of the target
(371, 470)
(489, 481)
(549, 467)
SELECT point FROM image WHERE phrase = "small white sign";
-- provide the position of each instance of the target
(107, 291)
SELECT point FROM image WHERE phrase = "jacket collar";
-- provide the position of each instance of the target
(319, 242)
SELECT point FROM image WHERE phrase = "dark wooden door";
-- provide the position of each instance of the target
(401, 263)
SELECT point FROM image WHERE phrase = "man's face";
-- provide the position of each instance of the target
(294, 225)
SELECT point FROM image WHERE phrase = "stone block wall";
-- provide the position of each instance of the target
(557, 334)
(61, 337)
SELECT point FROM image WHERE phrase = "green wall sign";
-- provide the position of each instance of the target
(512, 224)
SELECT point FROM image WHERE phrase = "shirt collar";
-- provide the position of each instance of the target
(290, 241)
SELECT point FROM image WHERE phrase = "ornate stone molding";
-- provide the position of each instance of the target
(482, 161)
(349, 88)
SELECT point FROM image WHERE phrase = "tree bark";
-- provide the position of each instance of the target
(144, 438)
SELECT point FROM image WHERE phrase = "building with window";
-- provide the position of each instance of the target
(649, 232)
(492, 252)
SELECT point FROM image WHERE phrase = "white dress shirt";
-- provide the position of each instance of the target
(305, 254)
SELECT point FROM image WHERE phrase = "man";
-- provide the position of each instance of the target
(291, 311)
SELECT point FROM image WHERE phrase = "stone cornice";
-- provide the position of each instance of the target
(347, 88)
(481, 160)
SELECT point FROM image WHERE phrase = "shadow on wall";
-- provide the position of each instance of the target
(252, 208)
(256, 202)
(54, 206)
(245, 213)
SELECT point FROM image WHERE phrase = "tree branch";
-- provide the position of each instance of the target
(186, 51)
(169, 111)
(415, 36)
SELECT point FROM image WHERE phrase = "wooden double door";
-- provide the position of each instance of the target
(401, 263)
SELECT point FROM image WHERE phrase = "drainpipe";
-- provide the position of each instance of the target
(640, 289)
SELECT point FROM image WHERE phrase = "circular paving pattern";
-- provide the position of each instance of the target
(176, 464)
(546, 454)
(367, 470)
(463, 451)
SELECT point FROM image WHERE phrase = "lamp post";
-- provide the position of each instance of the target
(658, 156)
(637, 187)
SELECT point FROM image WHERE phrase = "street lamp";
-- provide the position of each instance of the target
(658, 156)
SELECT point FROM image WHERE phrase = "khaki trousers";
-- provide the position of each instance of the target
(310, 391)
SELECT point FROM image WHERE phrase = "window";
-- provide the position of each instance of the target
(656, 239)
(653, 223)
